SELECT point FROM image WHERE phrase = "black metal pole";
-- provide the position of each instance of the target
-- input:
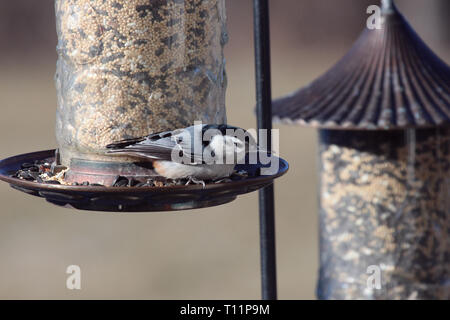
(264, 114)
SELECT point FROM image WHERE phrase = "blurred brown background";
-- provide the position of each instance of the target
(202, 254)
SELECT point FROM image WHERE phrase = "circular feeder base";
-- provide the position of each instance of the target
(136, 199)
(114, 204)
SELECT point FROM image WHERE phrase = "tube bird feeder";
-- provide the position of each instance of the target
(127, 69)
(383, 114)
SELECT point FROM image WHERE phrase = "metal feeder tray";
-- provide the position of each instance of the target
(135, 199)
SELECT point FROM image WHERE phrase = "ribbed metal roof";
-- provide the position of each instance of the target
(390, 79)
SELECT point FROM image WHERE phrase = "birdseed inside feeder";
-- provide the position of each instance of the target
(130, 68)
(383, 114)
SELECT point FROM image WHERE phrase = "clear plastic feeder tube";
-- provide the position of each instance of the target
(130, 68)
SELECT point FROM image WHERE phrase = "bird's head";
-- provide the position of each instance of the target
(232, 145)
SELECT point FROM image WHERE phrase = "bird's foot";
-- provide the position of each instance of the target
(223, 180)
(240, 174)
(196, 181)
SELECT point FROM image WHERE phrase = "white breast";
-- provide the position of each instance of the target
(174, 170)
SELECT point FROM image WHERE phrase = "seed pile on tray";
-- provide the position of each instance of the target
(41, 171)
(49, 173)
(130, 68)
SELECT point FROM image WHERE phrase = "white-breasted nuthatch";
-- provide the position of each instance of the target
(198, 153)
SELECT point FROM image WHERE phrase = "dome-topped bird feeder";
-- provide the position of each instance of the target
(127, 69)
(383, 114)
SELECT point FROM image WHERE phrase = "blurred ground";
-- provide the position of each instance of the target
(201, 254)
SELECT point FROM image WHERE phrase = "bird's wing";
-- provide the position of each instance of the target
(162, 146)
(124, 143)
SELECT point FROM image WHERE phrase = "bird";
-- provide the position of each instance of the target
(199, 153)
